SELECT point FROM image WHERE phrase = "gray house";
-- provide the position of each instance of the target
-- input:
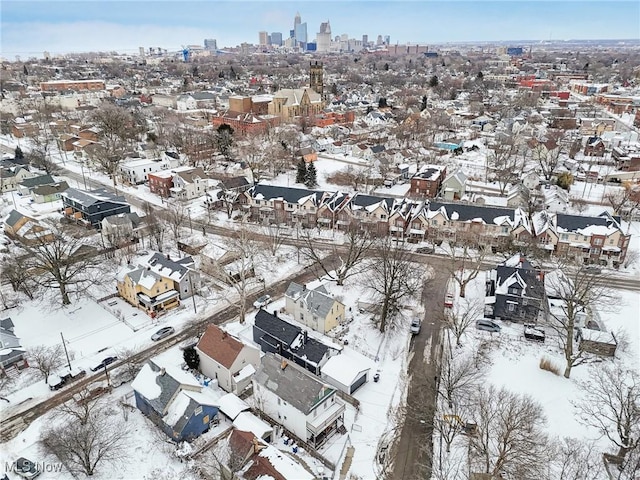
(186, 279)
(11, 353)
(516, 292)
(93, 205)
(314, 308)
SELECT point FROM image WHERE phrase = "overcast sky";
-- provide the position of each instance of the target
(31, 27)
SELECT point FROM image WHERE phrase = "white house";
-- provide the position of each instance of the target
(227, 359)
(136, 171)
(299, 401)
(188, 184)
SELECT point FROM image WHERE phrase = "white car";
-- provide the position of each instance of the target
(263, 301)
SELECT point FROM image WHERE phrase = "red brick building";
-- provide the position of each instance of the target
(75, 85)
(427, 182)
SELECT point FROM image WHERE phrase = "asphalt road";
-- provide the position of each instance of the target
(413, 448)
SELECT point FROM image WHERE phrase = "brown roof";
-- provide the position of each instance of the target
(241, 443)
(220, 346)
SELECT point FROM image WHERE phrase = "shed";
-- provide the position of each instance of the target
(248, 422)
(597, 342)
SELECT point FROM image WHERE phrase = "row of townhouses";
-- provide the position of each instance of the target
(597, 239)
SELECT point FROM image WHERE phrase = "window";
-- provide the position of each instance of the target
(198, 411)
(597, 241)
(564, 236)
(279, 402)
(511, 307)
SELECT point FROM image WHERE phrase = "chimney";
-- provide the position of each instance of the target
(304, 337)
(283, 365)
(162, 371)
(168, 257)
(224, 334)
(275, 313)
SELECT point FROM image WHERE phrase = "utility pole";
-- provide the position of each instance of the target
(193, 293)
(64, 345)
(190, 224)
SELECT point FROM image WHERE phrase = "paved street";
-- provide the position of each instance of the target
(413, 448)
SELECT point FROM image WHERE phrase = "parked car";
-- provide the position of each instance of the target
(262, 301)
(163, 333)
(58, 380)
(26, 468)
(593, 269)
(487, 325)
(104, 363)
(448, 300)
(416, 323)
(425, 250)
(531, 332)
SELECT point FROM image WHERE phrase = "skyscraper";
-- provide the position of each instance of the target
(365, 40)
(276, 39)
(387, 40)
(323, 37)
(210, 44)
(263, 38)
(299, 31)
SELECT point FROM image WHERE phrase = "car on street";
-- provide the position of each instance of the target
(448, 300)
(416, 323)
(593, 269)
(164, 332)
(104, 363)
(263, 301)
(26, 468)
(59, 379)
(488, 325)
(425, 250)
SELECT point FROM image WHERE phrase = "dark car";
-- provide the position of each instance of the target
(415, 326)
(425, 250)
(163, 333)
(58, 380)
(104, 363)
(487, 325)
(593, 269)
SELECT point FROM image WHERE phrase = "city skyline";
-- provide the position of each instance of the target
(31, 27)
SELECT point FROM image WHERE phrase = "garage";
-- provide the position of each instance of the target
(347, 371)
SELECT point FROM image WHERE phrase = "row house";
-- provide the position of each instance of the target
(183, 183)
(594, 239)
(136, 171)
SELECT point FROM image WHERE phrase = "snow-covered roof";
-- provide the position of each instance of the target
(346, 367)
(145, 383)
(248, 422)
(231, 405)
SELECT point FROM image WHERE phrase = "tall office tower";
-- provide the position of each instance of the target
(299, 31)
(297, 20)
(276, 39)
(141, 50)
(379, 40)
(387, 40)
(323, 37)
(316, 81)
(263, 38)
(365, 40)
(210, 44)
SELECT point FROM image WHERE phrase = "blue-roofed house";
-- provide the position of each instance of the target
(175, 401)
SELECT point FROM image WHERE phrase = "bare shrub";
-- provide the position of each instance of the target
(549, 366)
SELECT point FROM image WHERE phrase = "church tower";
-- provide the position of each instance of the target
(316, 81)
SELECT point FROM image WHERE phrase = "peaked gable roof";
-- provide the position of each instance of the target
(220, 346)
(316, 301)
(291, 383)
(90, 197)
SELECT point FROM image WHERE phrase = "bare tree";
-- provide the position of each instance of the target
(240, 275)
(576, 292)
(55, 262)
(81, 408)
(392, 277)
(352, 254)
(611, 404)
(275, 235)
(19, 278)
(576, 459)
(40, 155)
(176, 215)
(547, 153)
(222, 462)
(504, 163)
(46, 358)
(458, 376)
(465, 261)
(83, 446)
(509, 440)
(153, 225)
(625, 202)
(252, 152)
(460, 317)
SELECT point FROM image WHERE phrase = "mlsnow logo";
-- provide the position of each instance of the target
(23, 466)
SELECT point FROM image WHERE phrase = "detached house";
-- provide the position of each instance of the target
(93, 205)
(174, 401)
(277, 336)
(427, 181)
(188, 184)
(515, 291)
(26, 230)
(300, 402)
(182, 273)
(314, 308)
(147, 290)
(226, 359)
(12, 355)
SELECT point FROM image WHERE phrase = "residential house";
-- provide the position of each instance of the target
(28, 184)
(259, 460)
(26, 230)
(147, 290)
(49, 193)
(427, 181)
(300, 402)
(119, 229)
(11, 177)
(93, 205)
(195, 101)
(235, 184)
(12, 355)
(594, 147)
(182, 272)
(174, 401)
(314, 308)
(226, 359)
(136, 171)
(189, 184)
(454, 186)
(515, 291)
(275, 335)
